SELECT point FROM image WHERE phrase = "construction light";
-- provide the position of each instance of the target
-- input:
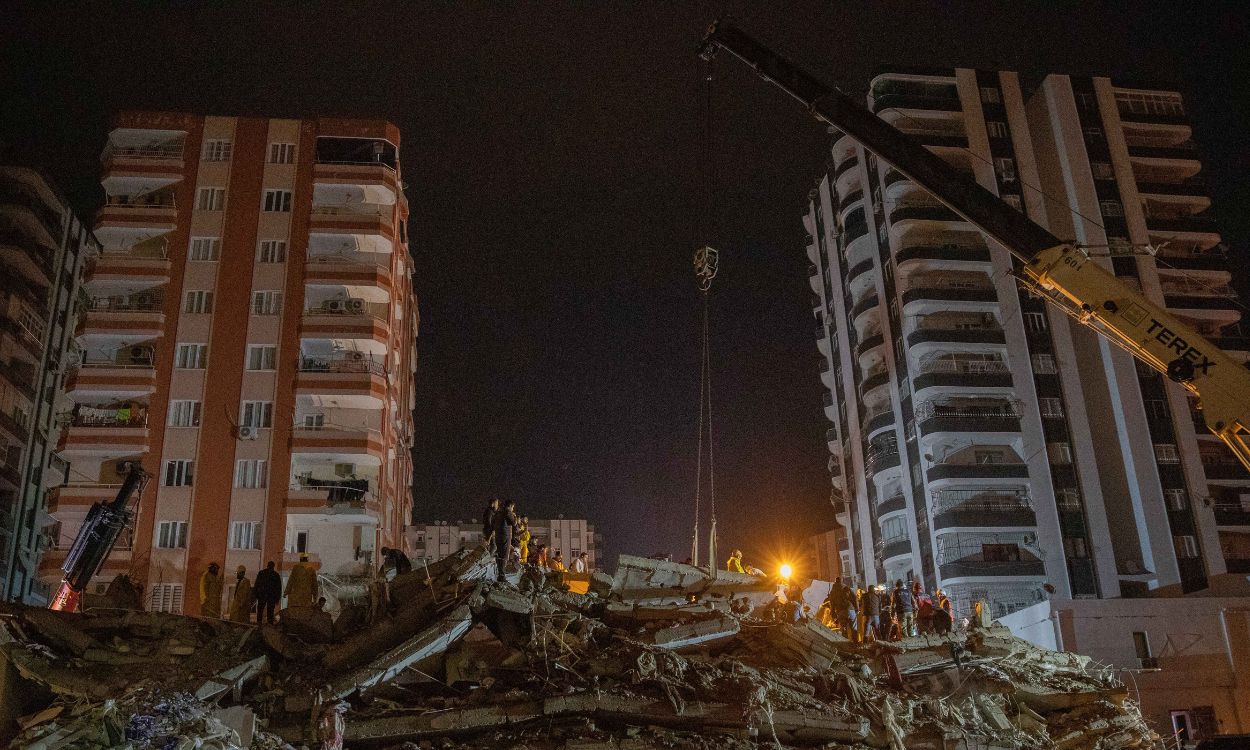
(787, 570)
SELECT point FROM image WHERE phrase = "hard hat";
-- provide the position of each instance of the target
(241, 569)
(303, 557)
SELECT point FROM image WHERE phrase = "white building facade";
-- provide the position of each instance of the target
(986, 443)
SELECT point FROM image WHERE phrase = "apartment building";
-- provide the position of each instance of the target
(44, 249)
(569, 536)
(986, 442)
(250, 337)
(826, 554)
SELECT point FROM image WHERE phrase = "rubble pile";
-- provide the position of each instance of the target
(659, 655)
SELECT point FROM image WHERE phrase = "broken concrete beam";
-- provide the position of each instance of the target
(812, 643)
(814, 726)
(232, 678)
(60, 629)
(392, 729)
(699, 633)
(308, 624)
(495, 596)
(1044, 699)
(629, 614)
(435, 639)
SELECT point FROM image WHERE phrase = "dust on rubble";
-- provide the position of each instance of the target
(660, 655)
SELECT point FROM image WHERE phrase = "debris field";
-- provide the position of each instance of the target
(661, 655)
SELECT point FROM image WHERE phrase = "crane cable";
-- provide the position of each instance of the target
(705, 267)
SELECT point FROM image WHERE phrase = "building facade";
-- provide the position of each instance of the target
(43, 252)
(828, 554)
(569, 536)
(986, 442)
(250, 336)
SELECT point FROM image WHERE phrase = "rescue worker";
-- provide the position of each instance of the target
(924, 608)
(241, 602)
(579, 563)
(268, 592)
(301, 586)
(502, 524)
(523, 539)
(540, 557)
(488, 518)
(557, 563)
(942, 615)
(210, 592)
(904, 610)
(837, 603)
(396, 560)
(734, 563)
(871, 612)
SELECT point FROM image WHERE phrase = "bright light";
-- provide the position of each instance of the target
(786, 570)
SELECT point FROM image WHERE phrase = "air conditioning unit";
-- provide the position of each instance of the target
(355, 305)
(247, 432)
(336, 306)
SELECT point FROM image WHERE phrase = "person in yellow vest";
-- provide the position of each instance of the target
(301, 587)
(210, 592)
(523, 538)
(557, 563)
(241, 602)
(734, 563)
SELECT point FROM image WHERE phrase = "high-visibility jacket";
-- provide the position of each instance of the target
(301, 587)
(734, 565)
(242, 602)
(523, 539)
(210, 595)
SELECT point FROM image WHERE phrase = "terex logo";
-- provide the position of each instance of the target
(1168, 338)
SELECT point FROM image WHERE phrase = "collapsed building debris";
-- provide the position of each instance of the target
(662, 655)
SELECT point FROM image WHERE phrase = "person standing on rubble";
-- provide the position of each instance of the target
(523, 539)
(488, 519)
(557, 563)
(540, 557)
(836, 603)
(503, 522)
(241, 600)
(579, 563)
(268, 592)
(301, 586)
(734, 563)
(210, 592)
(871, 613)
(942, 615)
(904, 606)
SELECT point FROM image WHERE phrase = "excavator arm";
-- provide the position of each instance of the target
(1065, 274)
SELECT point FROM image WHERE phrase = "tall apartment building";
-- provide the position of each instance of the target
(987, 443)
(43, 251)
(570, 536)
(250, 336)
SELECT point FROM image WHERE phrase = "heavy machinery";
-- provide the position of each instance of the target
(1060, 271)
(96, 539)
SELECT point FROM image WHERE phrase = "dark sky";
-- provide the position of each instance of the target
(553, 160)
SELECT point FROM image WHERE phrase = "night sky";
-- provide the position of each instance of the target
(553, 158)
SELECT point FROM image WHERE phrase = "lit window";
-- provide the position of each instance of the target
(1035, 322)
(1186, 546)
(273, 251)
(1005, 166)
(210, 199)
(996, 129)
(1166, 453)
(1176, 499)
(217, 150)
(277, 200)
(1051, 407)
(1059, 453)
(205, 248)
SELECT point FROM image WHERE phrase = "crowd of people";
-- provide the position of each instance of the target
(263, 595)
(509, 538)
(878, 613)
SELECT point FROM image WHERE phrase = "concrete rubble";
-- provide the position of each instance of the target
(659, 655)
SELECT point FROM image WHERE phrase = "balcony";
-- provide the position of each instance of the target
(374, 182)
(1191, 224)
(30, 340)
(933, 103)
(347, 500)
(339, 444)
(892, 504)
(842, 168)
(79, 496)
(367, 281)
(962, 373)
(118, 380)
(956, 336)
(879, 419)
(956, 416)
(880, 458)
(1232, 514)
(1237, 562)
(136, 268)
(13, 427)
(27, 198)
(138, 317)
(978, 471)
(869, 343)
(360, 327)
(851, 198)
(949, 293)
(1184, 151)
(858, 269)
(1223, 466)
(983, 510)
(874, 379)
(1191, 188)
(950, 253)
(1198, 261)
(101, 432)
(341, 229)
(865, 304)
(350, 380)
(128, 220)
(894, 547)
(922, 212)
(30, 256)
(967, 568)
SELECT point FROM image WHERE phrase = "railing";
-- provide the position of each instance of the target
(877, 459)
(333, 427)
(123, 304)
(354, 308)
(1197, 289)
(999, 410)
(144, 360)
(963, 367)
(86, 416)
(157, 251)
(343, 363)
(371, 210)
(354, 491)
(356, 163)
(160, 151)
(38, 252)
(915, 101)
(165, 200)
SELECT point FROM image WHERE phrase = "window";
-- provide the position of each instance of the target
(256, 414)
(1141, 103)
(1013, 200)
(1044, 364)
(1156, 410)
(277, 200)
(1119, 246)
(1051, 407)
(205, 248)
(184, 413)
(345, 470)
(266, 303)
(996, 129)
(1035, 322)
(251, 473)
(990, 95)
(1005, 167)
(166, 597)
(217, 150)
(314, 421)
(281, 153)
(1086, 100)
(245, 535)
(1075, 548)
(179, 472)
(171, 534)
(1068, 498)
(191, 356)
(1092, 133)
(1175, 499)
(1166, 453)
(1059, 453)
(1102, 170)
(1186, 546)
(894, 309)
(1111, 208)
(301, 541)
(262, 357)
(210, 199)
(198, 301)
(1141, 644)
(273, 251)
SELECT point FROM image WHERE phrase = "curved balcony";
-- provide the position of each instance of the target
(1179, 152)
(337, 501)
(339, 444)
(891, 504)
(931, 103)
(1186, 224)
(977, 471)
(350, 380)
(894, 547)
(368, 182)
(975, 514)
(29, 340)
(923, 212)
(844, 166)
(28, 256)
(956, 336)
(340, 229)
(1223, 466)
(364, 330)
(850, 199)
(984, 568)
(136, 271)
(962, 374)
(949, 294)
(1232, 514)
(944, 253)
(878, 459)
(873, 380)
(366, 281)
(879, 420)
(869, 343)
(937, 417)
(1208, 261)
(129, 220)
(864, 305)
(859, 269)
(1191, 188)
(137, 318)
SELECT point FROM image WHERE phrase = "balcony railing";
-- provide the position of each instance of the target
(151, 151)
(143, 358)
(950, 293)
(349, 363)
(925, 334)
(1004, 409)
(964, 367)
(349, 308)
(353, 491)
(881, 458)
(1232, 514)
(160, 200)
(38, 253)
(88, 416)
(943, 252)
(147, 303)
(978, 471)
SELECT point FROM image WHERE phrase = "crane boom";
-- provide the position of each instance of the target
(1063, 272)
